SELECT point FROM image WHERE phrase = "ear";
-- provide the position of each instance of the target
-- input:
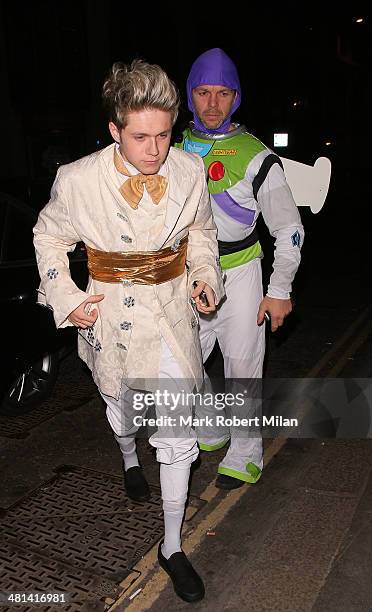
(115, 133)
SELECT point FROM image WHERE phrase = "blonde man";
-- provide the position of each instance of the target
(143, 212)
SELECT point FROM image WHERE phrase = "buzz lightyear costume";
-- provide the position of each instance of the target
(245, 178)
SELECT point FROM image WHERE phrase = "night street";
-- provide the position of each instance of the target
(299, 539)
(57, 514)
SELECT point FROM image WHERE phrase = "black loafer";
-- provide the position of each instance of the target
(186, 582)
(136, 484)
(228, 482)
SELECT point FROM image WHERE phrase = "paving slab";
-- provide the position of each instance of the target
(276, 548)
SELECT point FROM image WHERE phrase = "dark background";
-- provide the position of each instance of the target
(303, 71)
(308, 74)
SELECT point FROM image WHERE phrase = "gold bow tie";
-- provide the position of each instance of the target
(132, 189)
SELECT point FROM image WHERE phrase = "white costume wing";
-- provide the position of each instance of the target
(309, 184)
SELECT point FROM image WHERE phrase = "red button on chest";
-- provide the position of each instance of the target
(216, 171)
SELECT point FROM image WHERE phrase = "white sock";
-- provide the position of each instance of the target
(128, 450)
(174, 484)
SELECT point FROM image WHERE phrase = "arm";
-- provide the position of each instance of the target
(54, 237)
(202, 252)
(282, 218)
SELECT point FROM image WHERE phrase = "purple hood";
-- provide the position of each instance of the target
(213, 67)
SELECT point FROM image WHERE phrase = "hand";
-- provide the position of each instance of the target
(83, 319)
(200, 286)
(277, 309)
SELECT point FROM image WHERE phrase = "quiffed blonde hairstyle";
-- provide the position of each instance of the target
(136, 87)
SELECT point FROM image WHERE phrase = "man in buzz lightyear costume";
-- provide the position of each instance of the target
(245, 178)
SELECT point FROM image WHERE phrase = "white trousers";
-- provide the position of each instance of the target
(242, 343)
(175, 442)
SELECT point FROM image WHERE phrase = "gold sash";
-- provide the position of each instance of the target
(140, 267)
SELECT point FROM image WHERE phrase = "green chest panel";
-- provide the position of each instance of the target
(226, 160)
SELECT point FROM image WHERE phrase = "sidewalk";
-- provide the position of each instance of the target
(298, 540)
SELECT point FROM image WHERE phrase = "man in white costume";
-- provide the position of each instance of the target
(142, 209)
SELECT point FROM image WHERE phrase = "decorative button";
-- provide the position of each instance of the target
(127, 283)
(128, 301)
(216, 171)
(121, 346)
(125, 325)
(194, 323)
(176, 244)
(52, 273)
(126, 239)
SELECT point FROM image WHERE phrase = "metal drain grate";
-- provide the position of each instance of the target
(79, 534)
(23, 570)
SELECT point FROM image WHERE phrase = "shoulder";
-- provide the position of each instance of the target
(182, 160)
(86, 165)
(254, 144)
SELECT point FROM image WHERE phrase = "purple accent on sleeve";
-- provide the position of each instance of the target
(213, 67)
(233, 209)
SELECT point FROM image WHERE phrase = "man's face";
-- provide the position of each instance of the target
(212, 104)
(145, 140)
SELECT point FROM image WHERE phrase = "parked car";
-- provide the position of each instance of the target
(31, 345)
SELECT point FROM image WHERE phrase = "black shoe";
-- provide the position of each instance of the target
(228, 482)
(196, 464)
(136, 484)
(186, 582)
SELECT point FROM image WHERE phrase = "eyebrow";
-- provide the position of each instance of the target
(145, 134)
(205, 88)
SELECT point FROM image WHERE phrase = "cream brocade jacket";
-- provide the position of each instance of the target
(124, 343)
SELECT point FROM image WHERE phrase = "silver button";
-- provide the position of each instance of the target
(125, 325)
(52, 273)
(176, 244)
(126, 238)
(128, 302)
(127, 283)
(121, 346)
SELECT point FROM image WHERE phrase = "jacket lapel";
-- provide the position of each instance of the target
(110, 177)
(177, 194)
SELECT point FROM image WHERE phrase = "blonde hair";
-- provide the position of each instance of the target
(136, 87)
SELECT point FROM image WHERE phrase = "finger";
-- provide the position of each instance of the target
(260, 317)
(199, 305)
(86, 321)
(197, 291)
(93, 315)
(198, 287)
(210, 295)
(93, 299)
(276, 323)
(204, 309)
(77, 323)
